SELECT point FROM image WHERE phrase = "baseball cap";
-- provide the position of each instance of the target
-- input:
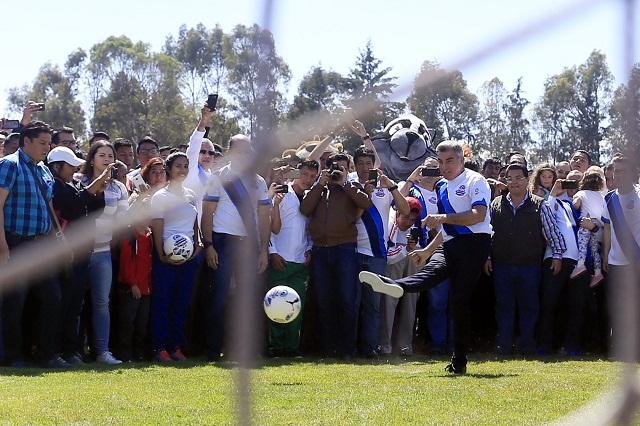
(414, 204)
(62, 153)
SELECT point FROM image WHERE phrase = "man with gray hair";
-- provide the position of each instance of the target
(463, 199)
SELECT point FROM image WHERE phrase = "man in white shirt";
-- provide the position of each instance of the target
(463, 200)
(621, 253)
(373, 234)
(289, 255)
(240, 204)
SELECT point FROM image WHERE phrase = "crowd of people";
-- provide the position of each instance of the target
(459, 256)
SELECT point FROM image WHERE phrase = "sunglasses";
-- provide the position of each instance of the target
(213, 153)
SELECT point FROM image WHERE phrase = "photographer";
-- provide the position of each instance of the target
(289, 254)
(333, 206)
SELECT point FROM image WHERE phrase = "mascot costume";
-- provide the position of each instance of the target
(403, 145)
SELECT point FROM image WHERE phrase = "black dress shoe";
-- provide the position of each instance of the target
(56, 362)
(456, 369)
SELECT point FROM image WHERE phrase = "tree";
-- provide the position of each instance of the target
(442, 99)
(136, 92)
(257, 77)
(624, 132)
(320, 92)
(58, 89)
(493, 133)
(369, 86)
(518, 125)
(574, 108)
(200, 52)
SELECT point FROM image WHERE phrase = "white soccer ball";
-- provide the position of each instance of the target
(178, 247)
(282, 304)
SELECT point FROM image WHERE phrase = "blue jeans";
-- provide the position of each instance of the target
(227, 246)
(369, 328)
(100, 275)
(170, 298)
(335, 274)
(437, 316)
(516, 284)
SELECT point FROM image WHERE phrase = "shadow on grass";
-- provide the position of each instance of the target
(199, 362)
(476, 376)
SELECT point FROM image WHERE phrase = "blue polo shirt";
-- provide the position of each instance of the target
(25, 212)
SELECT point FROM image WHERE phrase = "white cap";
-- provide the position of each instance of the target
(62, 153)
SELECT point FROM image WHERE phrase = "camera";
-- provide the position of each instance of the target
(430, 172)
(569, 184)
(40, 106)
(335, 171)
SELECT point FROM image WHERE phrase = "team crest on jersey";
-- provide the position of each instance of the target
(380, 192)
(477, 191)
(433, 200)
(461, 190)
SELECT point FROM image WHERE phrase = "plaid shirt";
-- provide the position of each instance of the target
(25, 212)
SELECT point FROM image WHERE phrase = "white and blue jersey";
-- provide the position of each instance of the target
(373, 225)
(469, 189)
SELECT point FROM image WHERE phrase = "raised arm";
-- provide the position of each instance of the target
(358, 128)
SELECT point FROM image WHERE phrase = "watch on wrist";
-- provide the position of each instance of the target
(393, 188)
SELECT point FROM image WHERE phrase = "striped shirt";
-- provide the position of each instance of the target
(25, 212)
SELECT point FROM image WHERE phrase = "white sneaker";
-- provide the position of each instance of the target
(381, 284)
(107, 358)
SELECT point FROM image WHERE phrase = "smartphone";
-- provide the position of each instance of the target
(114, 173)
(40, 106)
(569, 184)
(282, 189)
(138, 182)
(292, 174)
(431, 172)
(11, 124)
(212, 101)
(373, 176)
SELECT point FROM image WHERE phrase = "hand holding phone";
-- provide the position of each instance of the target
(569, 184)
(212, 101)
(431, 172)
(373, 177)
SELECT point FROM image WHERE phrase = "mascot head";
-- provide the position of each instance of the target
(403, 145)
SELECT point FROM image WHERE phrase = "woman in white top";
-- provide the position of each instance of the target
(101, 156)
(174, 211)
(590, 201)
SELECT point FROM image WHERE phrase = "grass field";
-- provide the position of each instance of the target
(306, 392)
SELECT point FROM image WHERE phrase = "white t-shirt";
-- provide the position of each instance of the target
(293, 239)
(467, 190)
(398, 249)
(116, 205)
(565, 221)
(592, 203)
(227, 219)
(373, 225)
(623, 212)
(179, 212)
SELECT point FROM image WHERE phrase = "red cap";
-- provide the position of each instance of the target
(414, 204)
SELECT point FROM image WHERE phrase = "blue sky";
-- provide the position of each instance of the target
(330, 33)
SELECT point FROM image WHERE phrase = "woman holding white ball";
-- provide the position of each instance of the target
(174, 212)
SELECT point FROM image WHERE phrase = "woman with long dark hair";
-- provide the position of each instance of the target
(174, 211)
(101, 157)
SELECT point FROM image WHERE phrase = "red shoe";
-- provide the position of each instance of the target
(178, 355)
(163, 356)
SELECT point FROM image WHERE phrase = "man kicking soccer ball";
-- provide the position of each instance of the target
(463, 199)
